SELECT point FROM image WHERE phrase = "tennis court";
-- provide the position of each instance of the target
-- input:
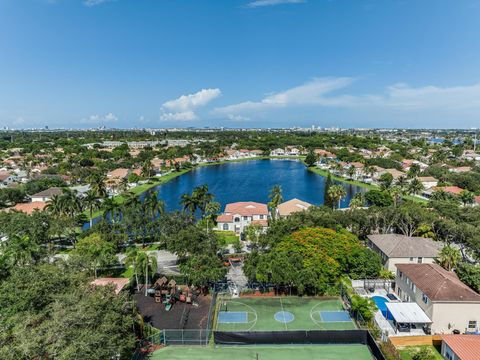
(284, 352)
(281, 314)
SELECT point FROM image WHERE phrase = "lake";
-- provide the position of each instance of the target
(251, 180)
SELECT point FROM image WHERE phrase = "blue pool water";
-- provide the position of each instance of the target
(381, 303)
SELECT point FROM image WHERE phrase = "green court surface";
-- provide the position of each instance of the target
(281, 314)
(280, 352)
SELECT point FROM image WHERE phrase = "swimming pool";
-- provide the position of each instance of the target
(381, 302)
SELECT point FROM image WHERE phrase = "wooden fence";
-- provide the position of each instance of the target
(416, 340)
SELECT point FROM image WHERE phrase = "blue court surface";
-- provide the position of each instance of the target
(335, 316)
(284, 316)
(232, 317)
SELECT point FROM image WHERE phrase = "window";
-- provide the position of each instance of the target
(237, 219)
(407, 280)
(261, 217)
(413, 287)
(411, 259)
(245, 218)
(472, 324)
(400, 274)
(225, 226)
(425, 298)
(420, 260)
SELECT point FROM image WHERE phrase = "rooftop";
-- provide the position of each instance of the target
(292, 206)
(49, 192)
(246, 208)
(437, 283)
(467, 347)
(400, 246)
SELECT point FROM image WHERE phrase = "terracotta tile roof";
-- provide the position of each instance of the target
(4, 175)
(118, 173)
(263, 223)
(246, 208)
(437, 283)
(466, 347)
(291, 206)
(29, 208)
(426, 179)
(449, 189)
(401, 246)
(118, 282)
(225, 218)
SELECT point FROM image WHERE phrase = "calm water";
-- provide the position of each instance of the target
(251, 181)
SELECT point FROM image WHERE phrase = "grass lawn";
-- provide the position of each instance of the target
(279, 352)
(227, 237)
(361, 184)
(267, 314)
(407, 352)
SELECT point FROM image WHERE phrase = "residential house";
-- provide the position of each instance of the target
(277, 152)
(46, 195)
(29, 208)
(460, 347)
(292, 151)
(460, 169)
(395, 173)
(400, 249)
(428, 181)
(118, 174)
(449, 303)
(237, 216)
(454, 190)
(292, 206)
(6, 178)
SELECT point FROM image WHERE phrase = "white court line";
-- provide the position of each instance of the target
(283, 313)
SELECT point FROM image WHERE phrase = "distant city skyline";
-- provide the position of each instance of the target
(239, 64)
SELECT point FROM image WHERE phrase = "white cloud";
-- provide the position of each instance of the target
(94, 119)
(91, 3)
(182, 108)
(261, 3)
(399, 97)
(179, 116)
(237, 118)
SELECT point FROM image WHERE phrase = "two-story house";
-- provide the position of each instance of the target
(401, 249)
(448, 302)
(237, 216)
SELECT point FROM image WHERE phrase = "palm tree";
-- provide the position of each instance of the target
(70, 203)
(415, 187)
(356, 202)
(402, 182)
(146, 261)
(336, 193)
(113, 208)
(147, 169)
(466, 197)
(449, 257)
(189, 203)
(97, 184)
(55, 206)
(211, 212)
(351, 171)
(202, 196)
(396, 192)
(153, 206)
(123, 185)
(92, 203)
(276, 199)
(20, 251)
(131, 260)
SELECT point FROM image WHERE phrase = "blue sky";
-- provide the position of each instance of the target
(240, 63)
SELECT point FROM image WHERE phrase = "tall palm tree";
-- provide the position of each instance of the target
(153, 206)
(449, 257)
(396, 192)
(189, 203)
(415, 187)
(131, 259)
(351, 171)
(336, 193)
(97, 184)
(146, 262)
(147, 169)
(211, 212)
(402, 181)
(202, 196)
(276, 199)
(467, 197)
(91, 202)
(123, 185)
(55, 206)
(112, 208)
(356, 202)
(71, 203)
